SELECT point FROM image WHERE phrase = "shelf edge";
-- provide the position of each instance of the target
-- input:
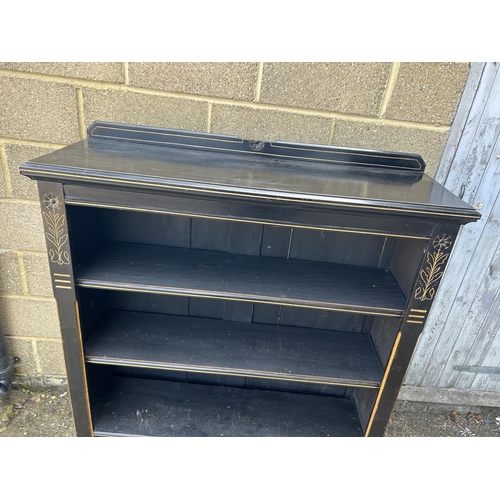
(232, 372)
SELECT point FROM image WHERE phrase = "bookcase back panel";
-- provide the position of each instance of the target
(94, 303)
(230, 236)
(98, 373)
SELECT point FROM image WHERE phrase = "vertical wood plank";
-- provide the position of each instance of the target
(214, 379)
(341, 248)
(146, 302)
(238, 311)
(245, 238)
(325, 320)
(275, 243)
(145, 228)
(210, 234)
(295, 387)
(492, 382)
(266, 313)
(206, 308)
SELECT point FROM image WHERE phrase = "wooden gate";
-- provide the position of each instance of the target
(457, 359)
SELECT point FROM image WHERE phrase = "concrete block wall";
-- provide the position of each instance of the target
(404, 107)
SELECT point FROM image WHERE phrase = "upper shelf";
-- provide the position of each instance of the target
(220, 275)
(126, 156)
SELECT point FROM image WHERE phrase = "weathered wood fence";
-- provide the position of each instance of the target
(458, 357)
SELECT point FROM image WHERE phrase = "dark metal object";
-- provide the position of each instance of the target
(256, 145)
(6, 365)
(340, 250)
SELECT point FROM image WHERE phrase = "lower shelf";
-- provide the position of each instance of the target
(233, 348)
(143, 407)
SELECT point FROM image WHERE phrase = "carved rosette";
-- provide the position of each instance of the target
(57, 238)
(430, 275)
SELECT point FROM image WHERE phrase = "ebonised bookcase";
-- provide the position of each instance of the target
(213, 286)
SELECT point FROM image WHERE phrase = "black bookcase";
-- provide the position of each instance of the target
(213, 286)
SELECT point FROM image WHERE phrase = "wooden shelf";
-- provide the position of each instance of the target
(204, 273)
(142, 407)
(231, 348)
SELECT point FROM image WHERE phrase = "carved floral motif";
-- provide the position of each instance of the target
(431, 275)
(51, 201)
(55, 234)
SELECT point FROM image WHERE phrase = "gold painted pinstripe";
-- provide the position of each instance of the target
(84, 371)
(237, 140)
(235, 372)
(213, 217)
(182, 293)
(382, 384)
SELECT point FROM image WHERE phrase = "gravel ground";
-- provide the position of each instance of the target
(36, 412)
(47, 412)
(443, 423)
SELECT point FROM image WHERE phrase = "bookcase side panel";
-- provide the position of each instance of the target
(425, 285)
(62, 276)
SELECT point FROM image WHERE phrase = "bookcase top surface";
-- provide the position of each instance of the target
(126, 156)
